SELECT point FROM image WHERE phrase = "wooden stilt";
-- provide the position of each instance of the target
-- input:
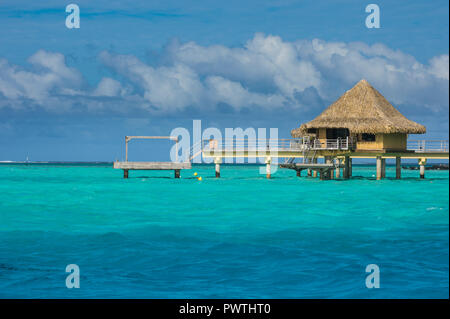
(315, 171)
(422, 163)
(299, 173)
(322, 175)
(338, 170)
(217, 170)
(177, 173)
(268, 167)
(350, 167)
(378, 168)
(329, 172)
(217, 161)
(125, 173)
(383, 168)
(398, 167)
(346, 167)
(309, 171)
(325, 174)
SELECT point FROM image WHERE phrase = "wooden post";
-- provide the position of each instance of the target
(176, 150)
(383, 168)
(315, 171)
(350, 167)
(338, 169)
(378, 168)
(398, 167)
(299, 173)
(346, 167)
(329, 172)
(309, 171)
(268, 170)
(422, 163)
(125, 173)
(217, 161)
(322, 175)
(126, 148)
(217, 170)
(177, 173)
(268, 167)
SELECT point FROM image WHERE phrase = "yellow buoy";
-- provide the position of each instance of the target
(199, 178)
(195, 174)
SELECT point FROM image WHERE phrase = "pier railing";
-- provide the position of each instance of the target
(288, 144)
(301, 145)
(428, 146)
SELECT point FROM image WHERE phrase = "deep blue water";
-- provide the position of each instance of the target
(240, 236)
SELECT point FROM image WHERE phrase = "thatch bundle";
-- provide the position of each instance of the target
(362, 109)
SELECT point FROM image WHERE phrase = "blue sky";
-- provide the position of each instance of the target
(146, 67)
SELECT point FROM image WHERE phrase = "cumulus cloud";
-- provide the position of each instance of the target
(439, 67)
(109, 87)
(48, 78)
(265, 73)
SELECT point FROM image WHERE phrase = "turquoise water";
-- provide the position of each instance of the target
(239, 236)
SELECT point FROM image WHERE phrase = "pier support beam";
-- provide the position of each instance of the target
(217, 161)
(338, 169)
(299, 173)
(177, 173)
(383, 168)
(346, 169)
(309, 172)
(330, 173)
(325, 174)
(350, 167)
(398, 167)
(268, 167)
(379, 159)
(125, 173)
(422, 163)
(315, 171)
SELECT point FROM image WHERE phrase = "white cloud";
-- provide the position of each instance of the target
(109, 87)
(439, 67)
(266, 73)
(49, 77)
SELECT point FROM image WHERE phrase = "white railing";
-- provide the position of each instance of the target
(292, 144)
(429, 146)
(301, 145)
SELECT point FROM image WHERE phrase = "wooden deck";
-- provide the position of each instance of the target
(152, 165)
(175, 166)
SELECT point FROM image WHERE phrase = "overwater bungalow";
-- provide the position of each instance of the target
(364, 116)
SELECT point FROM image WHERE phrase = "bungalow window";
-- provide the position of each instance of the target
(312, 131)
(368, 137)
(334, 133)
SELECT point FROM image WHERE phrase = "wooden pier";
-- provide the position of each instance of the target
(336, 154)
(175, 166)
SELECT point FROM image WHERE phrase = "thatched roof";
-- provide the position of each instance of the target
(362, 109)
